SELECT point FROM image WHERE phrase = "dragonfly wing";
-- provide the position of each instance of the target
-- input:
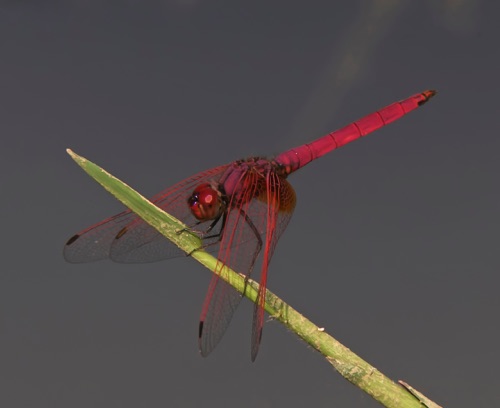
(280, 200)
(241, 244)
(127, 238)
(222, 303)
(239, 248)
(94, 243)
(139, 242)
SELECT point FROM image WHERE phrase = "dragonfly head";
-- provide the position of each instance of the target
(206, 202)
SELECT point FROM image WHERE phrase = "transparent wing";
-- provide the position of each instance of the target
(246, 235)
(127, 238)
(280, 202)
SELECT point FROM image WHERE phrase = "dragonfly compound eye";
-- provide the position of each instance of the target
(205, 203)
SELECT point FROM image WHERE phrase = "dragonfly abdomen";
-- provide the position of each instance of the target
(298, 157)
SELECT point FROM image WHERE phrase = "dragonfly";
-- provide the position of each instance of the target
(239, 210)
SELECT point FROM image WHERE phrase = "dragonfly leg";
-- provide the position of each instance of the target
(210, 227)
(191, 228)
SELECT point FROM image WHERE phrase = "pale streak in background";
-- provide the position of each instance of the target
(458, 16)
(353, 54)
(351, 57)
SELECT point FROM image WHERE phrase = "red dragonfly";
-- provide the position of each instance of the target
(239, 210)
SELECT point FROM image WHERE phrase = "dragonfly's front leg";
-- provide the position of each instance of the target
(203, 234)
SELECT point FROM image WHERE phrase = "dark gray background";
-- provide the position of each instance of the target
(394, 243)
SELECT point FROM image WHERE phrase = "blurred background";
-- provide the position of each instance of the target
(393, 247)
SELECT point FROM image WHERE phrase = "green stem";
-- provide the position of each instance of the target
(348, 364)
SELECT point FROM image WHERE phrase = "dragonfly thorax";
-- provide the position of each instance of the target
(206, 203)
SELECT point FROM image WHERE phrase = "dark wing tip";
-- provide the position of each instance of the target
(201, 348)
(72, 239)
(121, 233)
